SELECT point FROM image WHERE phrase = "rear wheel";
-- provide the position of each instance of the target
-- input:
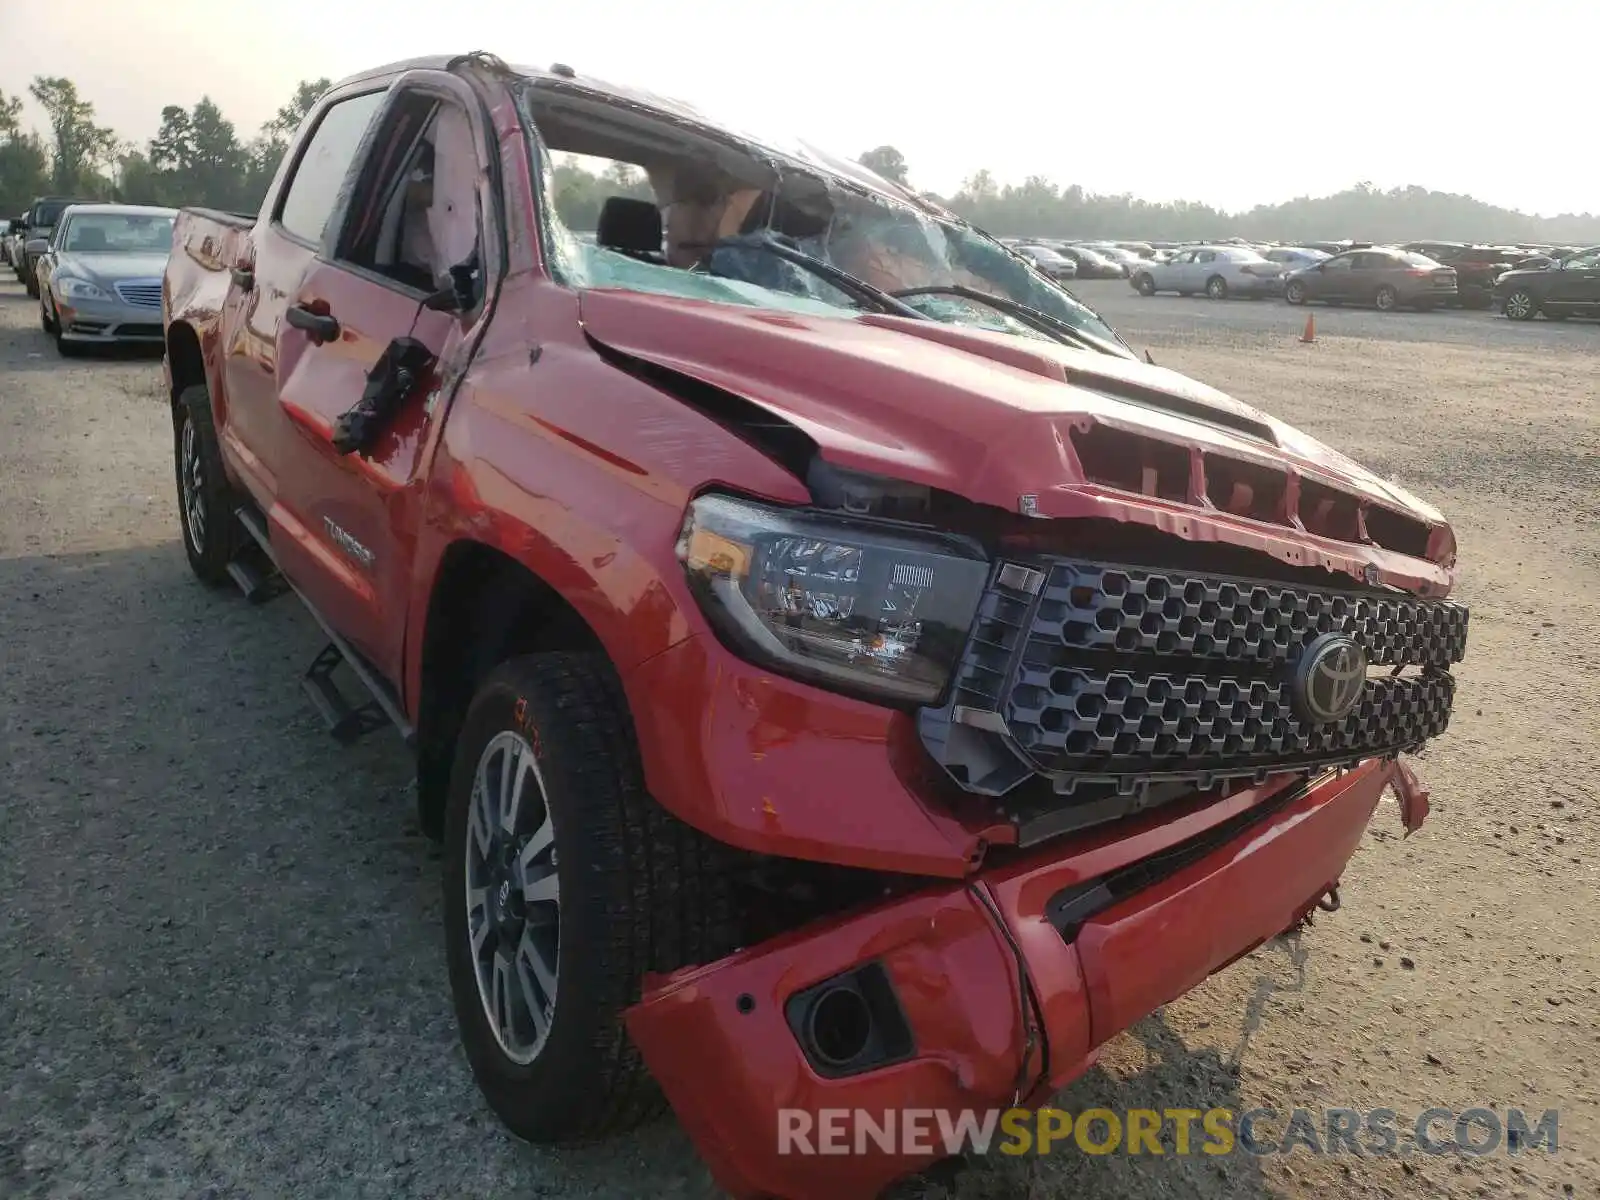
(206, 500)
(1217, 287)
(1521, 306)
(1386, 298)
(565, 883)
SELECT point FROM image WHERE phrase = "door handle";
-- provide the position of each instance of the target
(321, 326)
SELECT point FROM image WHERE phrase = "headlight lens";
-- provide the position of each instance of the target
(79, 289)
(855, 606)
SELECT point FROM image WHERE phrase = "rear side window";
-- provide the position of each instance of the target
(313, 189)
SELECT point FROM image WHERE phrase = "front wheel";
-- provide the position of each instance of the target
(1521, 306)
(1144, 285)
(46, 321)
(1386, 298)
(1295, 292)
(1217, 287)
(564, 884)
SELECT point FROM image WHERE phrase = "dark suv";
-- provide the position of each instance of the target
(41, 220)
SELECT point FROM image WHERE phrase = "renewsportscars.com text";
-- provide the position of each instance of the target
(1175, 1131)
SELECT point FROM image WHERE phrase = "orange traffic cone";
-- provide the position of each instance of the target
(1310, 335)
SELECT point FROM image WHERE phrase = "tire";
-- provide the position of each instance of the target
(32, 286)
(1217, 287)
(211, 537)
(1521, 306)
(1385, 299)
(1294, 292)
(635, 891)
(65, 348)
(46, 322)
(1144, 285)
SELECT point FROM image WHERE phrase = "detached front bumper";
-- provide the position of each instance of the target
(978, 994)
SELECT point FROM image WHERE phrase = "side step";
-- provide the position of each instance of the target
(345, 719)
(258, 579)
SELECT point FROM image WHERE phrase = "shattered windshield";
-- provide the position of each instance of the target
(687, 210)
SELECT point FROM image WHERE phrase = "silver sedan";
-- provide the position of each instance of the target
(100, 277)
(1218, 271)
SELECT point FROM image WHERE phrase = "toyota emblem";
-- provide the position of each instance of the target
(1329, 679)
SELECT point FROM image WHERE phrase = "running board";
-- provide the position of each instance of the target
(347, 721)
(258, 585)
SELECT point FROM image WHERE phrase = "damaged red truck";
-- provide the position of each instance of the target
(844, 675)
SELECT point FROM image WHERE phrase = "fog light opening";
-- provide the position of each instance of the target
(839, 1026)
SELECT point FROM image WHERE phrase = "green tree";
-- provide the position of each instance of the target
(265, 152)
(23, 163)
(78, 146)
(886, 161)
(196, 157)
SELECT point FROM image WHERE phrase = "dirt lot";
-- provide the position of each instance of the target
(220, 971)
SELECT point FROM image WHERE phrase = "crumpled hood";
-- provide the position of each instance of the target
(986, 416)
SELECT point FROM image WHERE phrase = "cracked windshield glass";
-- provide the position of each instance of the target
(682, 209)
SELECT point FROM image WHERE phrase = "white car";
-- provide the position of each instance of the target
(1218, 271)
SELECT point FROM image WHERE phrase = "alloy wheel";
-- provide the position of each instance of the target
(1519, 306)
(194, 495)
(513, 896)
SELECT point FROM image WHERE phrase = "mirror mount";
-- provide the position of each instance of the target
(457, 291)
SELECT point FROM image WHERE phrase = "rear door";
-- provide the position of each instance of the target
(417, 206)
(1368, 272)
(285, 242)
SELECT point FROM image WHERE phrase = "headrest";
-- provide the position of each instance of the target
(629, 225)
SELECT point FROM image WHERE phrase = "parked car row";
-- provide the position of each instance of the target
(1512, 278)
(96, 272)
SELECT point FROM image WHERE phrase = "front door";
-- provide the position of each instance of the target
(346, 523)
(1576, 283)
(1334, 278)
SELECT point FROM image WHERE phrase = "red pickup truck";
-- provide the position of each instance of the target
(843, 674)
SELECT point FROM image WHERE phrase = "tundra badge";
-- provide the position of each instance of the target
(348, 544)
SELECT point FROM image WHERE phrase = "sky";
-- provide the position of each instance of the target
(1231, 102)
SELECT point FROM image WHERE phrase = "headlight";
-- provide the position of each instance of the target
(79, 289)
(856, 606)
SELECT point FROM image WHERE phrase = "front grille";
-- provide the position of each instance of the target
(144, 294)
(1121, 677)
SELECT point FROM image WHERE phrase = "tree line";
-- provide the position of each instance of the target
(198, 157)
(1038, 207)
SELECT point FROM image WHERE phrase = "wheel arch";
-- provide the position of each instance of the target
(484, 606)
(186, 363)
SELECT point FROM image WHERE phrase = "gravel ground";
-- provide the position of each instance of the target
(221, 974)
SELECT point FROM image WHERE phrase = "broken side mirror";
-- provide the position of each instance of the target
(457, 291)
